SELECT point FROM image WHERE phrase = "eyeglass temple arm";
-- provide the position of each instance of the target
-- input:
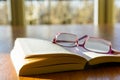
(54, 40)
(114, 51)
(83, 37)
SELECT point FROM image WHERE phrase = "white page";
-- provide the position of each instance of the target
(37, 47)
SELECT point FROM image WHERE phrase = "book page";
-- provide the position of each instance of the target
(79, 51)
(95, 55)
(97, 58)
(39, 47)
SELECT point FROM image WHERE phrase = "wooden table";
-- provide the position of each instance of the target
(7, 71)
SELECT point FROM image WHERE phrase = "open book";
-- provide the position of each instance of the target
(34, 56)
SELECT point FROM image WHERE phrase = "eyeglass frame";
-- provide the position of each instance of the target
(86, 37)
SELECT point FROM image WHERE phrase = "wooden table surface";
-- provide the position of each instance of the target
(9, 34)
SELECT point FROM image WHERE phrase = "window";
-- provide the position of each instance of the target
(59, 11)
(117, 11)
(3, 12)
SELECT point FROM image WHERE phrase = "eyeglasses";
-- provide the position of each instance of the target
(92, 44)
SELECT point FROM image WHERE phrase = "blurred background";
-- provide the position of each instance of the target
(39, 12)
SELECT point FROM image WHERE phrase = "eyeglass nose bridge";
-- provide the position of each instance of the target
(81, 38)
(81, 45)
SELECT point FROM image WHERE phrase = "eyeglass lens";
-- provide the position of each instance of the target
(66, 39)
(97, 45)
